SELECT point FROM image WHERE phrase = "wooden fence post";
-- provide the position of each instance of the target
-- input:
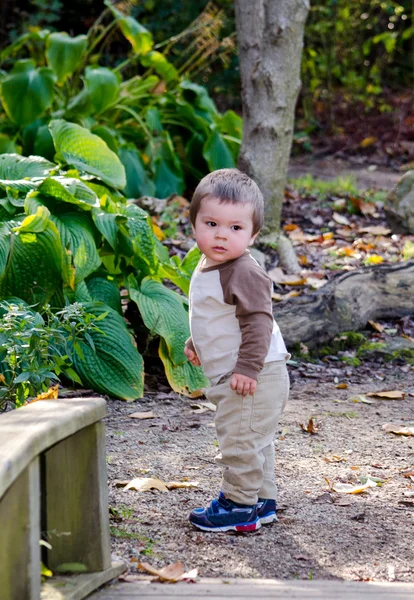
(76, 510)
(20, 537)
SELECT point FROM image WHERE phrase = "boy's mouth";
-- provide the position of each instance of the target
(219, 249)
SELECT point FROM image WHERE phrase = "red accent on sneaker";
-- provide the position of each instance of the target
(250, 527)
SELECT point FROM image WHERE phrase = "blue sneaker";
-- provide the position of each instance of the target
(224, 515)
(266, 511)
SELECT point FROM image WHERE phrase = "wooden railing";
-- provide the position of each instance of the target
(53, 486)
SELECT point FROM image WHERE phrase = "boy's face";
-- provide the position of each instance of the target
(223, 231)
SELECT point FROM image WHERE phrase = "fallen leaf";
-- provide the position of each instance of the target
(375, 230)
(312, 427)
(341, 219)
(316, 283)
(368, 141)
(408, 473)
(341, 386)
(399, 428)
(377, 326)
(142, 415)
(388, 395)
(51, 394)
(144, 484)
(361, 398)
(278, 276)
(172, 485)
(334, 459)
(373, 259)
(172, 573)
(348, 488)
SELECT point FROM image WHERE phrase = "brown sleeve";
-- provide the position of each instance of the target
(248, 288)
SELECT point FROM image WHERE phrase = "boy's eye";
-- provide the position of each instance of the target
(236, 227)
(211, 223)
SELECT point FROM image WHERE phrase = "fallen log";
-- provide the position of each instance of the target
(347, 302)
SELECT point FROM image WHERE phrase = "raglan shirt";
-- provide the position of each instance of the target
(231, 318)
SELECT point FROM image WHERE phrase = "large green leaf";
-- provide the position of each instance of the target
(4, 247)
(169, 178)
(217, 153)
(70, 190)
(34, 268)
(137, 35)
(163, 313)
(34, 223)
(77, 146)
(18, 172)
(161, 65)
(27, 92)
(138, 182)
(103, 87)
(64, 54)
(137, 235)
(115, 367)
(197, 96)
(183, 378)
(77, 235)
(105, 289)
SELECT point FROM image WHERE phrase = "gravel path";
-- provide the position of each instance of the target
(321, 534)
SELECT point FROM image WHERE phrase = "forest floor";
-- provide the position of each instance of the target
(323, 532)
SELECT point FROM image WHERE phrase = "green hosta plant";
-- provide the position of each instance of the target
(67, 236)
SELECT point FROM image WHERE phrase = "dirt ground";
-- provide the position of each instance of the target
(321, 534)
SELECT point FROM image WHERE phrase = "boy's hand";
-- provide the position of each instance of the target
(242, 384)
(190, 353)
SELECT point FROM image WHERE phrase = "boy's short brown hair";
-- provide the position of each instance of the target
(233, 186)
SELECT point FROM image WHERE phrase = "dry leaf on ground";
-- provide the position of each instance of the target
(399, 428)
(387, 395)
(311, 427)
(334, 459)
(145, 484)
(377, 326)
(51, 394)
(172, 573)
(348, 488)
(173, 485)
(361, 398)
(142, 415)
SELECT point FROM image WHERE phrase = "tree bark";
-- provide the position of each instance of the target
(347, 303)
(270, 41)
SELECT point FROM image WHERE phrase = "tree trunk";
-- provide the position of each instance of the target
(347, 303)
(270, 41)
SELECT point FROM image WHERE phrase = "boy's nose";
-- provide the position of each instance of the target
(220, 235)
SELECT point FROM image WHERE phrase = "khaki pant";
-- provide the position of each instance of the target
(245, 430)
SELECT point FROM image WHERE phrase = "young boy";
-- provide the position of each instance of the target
(236, 340)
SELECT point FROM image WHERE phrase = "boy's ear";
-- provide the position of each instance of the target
(252, 239)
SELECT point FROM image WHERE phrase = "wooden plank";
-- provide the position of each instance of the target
(252, 589)
(27, 432)
(20, 537)
(76, 587)
(77, 520)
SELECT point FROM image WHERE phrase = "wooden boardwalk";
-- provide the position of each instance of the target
(252, 589)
